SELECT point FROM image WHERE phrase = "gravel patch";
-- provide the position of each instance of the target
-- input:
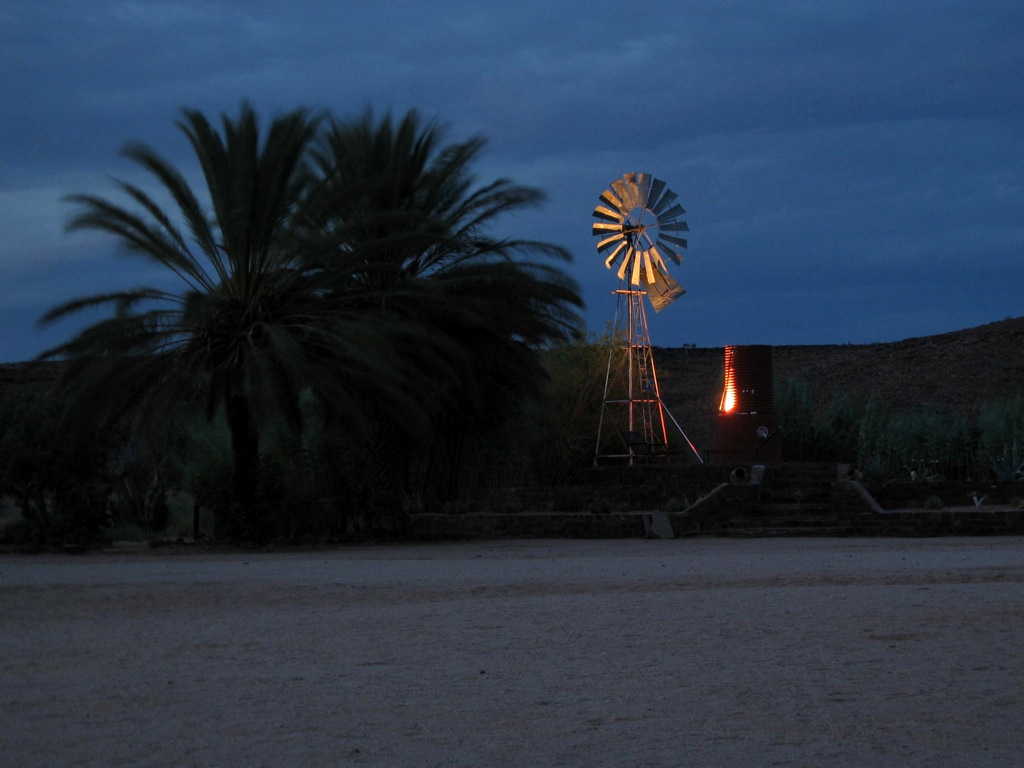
(689, 652)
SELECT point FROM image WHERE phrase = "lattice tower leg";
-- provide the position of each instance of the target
(632, 398)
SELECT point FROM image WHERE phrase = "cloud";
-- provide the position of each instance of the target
(824, 151)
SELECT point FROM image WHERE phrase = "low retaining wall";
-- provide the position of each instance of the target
(794, 499)
(632, 525)
(528, 525)
(940, 522)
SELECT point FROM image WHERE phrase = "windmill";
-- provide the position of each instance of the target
(640, 225)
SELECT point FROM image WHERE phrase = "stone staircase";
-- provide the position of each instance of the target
(718, 500)
(793, 500)
(611, 489)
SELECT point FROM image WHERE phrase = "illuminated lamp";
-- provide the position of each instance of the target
(747, 427)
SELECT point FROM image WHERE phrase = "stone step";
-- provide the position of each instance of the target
(794, 509)
(797, 495)
(779, 532)
(793, 521)
(824, 478)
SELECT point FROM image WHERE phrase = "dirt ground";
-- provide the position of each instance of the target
(692, 652)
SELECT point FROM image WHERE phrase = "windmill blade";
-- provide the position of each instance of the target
(602, 228)
(676, 257)
(681, 242)
(662, 290)
(657, 185)
(624, 193)
(624, 266)
(676, 210)
(674, 226)
(636, 269)
(611, 259)
(657, 259)
(666, 200)
(608, 214)
(609, 241)
(648, 267)
(643, 186)
(633, 184)
(613, 201)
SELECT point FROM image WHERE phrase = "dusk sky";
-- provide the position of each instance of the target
(851, 171)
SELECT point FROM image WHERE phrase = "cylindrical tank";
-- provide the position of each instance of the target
(748, 380)
(747, 428)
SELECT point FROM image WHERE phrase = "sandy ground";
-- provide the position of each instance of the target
(696, 652)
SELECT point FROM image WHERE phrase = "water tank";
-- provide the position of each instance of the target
(748, 380)
(747, 428)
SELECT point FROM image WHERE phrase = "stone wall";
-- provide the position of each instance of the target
(794, 500)
(631, 525)
(940, 522)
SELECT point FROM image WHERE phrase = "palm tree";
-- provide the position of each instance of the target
(411, 235)
(249, 326)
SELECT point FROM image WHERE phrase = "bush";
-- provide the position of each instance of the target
(16, 532)
(1009, 466)
(1001, 424)
(57, 475)
(927, 442)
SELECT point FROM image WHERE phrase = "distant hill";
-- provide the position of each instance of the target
(956, 371)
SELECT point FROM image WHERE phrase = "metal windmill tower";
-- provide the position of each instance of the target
(639, 224)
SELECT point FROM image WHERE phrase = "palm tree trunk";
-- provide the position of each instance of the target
(245, 451)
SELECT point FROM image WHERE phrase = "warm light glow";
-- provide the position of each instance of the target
(728, 403)
(729, 397)
(747, 380)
